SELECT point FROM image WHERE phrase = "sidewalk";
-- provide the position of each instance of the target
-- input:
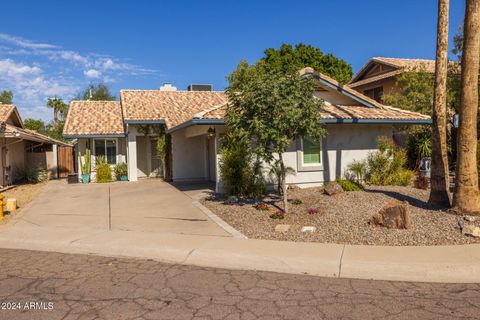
(455, 264)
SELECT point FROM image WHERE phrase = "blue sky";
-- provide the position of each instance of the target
(58, 47)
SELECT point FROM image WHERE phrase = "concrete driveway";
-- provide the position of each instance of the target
(149, 205)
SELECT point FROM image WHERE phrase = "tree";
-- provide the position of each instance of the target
(272, 108)
(289, 59)
(36, 125)
(6, 97)
(466, 197)
(439, 169)
(59, 108)
(99, 92)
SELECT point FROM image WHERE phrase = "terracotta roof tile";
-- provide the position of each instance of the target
(342, 113)
(175, 107)
(409, 64)
(5, 111)
(94, 118)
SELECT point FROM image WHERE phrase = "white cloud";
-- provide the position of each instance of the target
(25, 43)
(92, 73)
(35, 71)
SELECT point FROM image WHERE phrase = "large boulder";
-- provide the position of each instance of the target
(333, 188)
(395, 214)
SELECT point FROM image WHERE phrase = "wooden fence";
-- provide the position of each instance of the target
(66, 163)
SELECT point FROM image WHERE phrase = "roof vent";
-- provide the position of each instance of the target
(200, 87)
(168, 87)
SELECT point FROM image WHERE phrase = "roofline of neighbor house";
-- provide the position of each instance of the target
(145, 121)
(99, 136)
(192, 122)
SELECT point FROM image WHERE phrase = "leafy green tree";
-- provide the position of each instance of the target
(271, 108)
(292, 59)
(36, 125)
(6, 97)
(98, 92)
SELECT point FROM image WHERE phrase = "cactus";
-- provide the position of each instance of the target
(85, 162)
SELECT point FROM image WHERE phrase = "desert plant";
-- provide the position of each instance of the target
(85, 165)
(359, 170)
(120, 170)
(419, 145)
(276, 173)
(104, 172)
(296, 201)
(312, 211)
(279, 214)
(348, 185)
(386, 166)
(262, 206)
(30, 175)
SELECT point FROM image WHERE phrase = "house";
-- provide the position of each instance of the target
(194, 121)
(379, 75)
(22, 148)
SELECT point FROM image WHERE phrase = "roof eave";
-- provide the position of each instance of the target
(193, 122)
(89, 136)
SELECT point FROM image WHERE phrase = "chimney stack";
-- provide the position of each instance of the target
(168, 87)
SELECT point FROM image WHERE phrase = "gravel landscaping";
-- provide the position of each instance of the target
(24, 193)
(344, 218)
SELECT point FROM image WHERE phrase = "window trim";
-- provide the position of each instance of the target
(301, 166)
(105, 142)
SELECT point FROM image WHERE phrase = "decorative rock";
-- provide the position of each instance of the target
(395, 214)
(471, 230)
(309, 229)
(282, 227)
(469, 218)
(333, 188)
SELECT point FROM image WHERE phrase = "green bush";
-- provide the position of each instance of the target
(30, 175)
(120, 169)
(358, 169)
(104, 172)
(419, 145)
(348, 185)
(387, 165)
(241, 175)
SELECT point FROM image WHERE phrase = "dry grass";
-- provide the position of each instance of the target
(24, 194)
(344, 218)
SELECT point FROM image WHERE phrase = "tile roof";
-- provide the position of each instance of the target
(175, 107)
(409, 64)
(13, 131)
(94, 118)
(382, 76)
(339, 112)
(6, 111)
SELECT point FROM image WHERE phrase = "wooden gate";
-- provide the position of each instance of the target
(66, 163)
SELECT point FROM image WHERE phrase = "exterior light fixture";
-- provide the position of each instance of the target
(211, 132)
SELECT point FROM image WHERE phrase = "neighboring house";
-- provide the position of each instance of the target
(379, 75)
(21, 148)
(195, 122)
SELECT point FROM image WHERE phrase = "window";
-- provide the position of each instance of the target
(107, 148)
(311, 152)
(375, 93)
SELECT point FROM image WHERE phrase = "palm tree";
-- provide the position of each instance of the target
(466, 197)
(58, 106)
(439, 169)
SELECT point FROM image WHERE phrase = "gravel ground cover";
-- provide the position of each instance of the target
(344, 218)
(24, 194)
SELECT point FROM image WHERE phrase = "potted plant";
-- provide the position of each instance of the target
(85, 165)
(121, 171)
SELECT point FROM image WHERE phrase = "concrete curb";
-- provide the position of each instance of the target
(451, 264)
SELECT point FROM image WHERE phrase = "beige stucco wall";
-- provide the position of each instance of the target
(189, 155)
(16, 157)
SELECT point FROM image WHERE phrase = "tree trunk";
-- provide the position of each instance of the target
(284, 183)
(439, 177)
(466, 198)
(55, 117)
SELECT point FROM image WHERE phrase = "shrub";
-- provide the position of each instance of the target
(120, 169)
(348, 185)
(421, 182)
(359, 169)
(104, 172)
(419, 145)
(30, 175)
(262, 206)
(312, 211)
(386, 166)
(240, 173)
(296, 201)
(280, 214)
